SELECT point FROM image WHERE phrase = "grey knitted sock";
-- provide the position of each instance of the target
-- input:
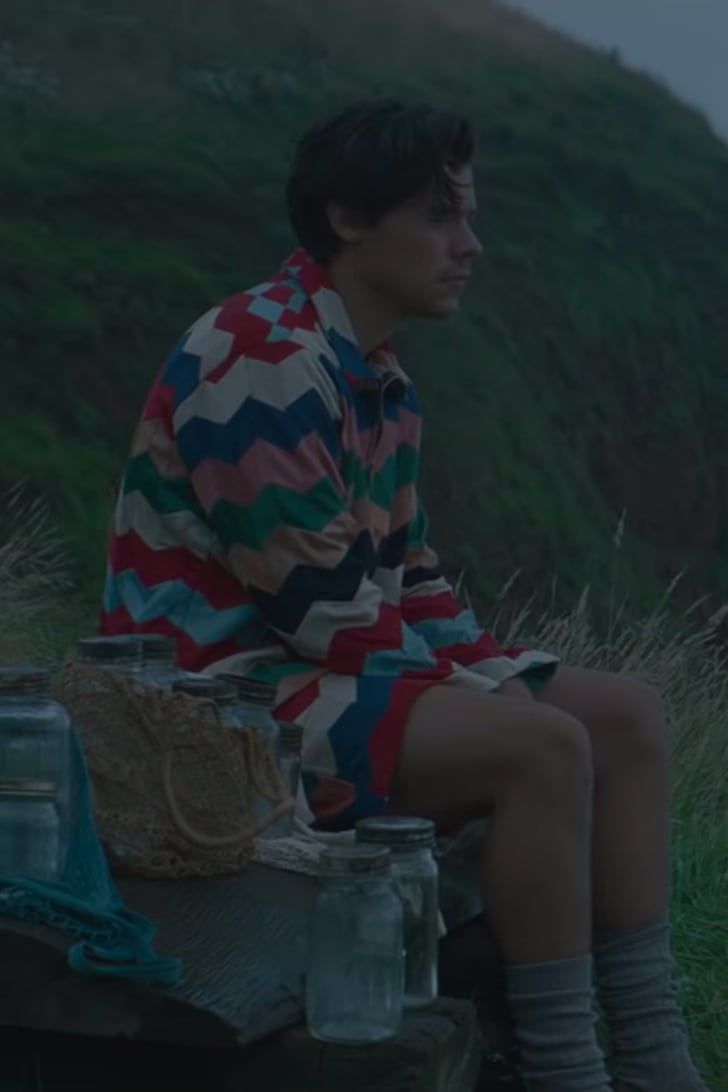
(554, 1025)
(633, 971)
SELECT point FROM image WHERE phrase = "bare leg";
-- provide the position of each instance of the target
(631, 844)
(528, 768)
(631, 862)
(467, 754)
(631, 835)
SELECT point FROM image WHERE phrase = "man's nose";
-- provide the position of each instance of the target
(474, 247)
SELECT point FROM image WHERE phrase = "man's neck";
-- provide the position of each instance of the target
(372, 321)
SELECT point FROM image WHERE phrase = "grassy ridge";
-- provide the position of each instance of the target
(583, 377)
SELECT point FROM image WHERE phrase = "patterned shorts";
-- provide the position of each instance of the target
(352, 734)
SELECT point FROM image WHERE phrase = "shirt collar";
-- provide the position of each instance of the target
(364, 373)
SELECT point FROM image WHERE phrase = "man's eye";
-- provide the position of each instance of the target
(446, 217)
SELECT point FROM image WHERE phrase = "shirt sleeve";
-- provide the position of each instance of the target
(430, 607)
(263, 449)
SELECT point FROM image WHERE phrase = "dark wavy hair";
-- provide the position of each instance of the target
(370, 158)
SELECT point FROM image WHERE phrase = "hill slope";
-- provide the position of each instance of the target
(142, 169)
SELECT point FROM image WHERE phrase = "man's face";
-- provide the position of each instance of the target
(410, 258)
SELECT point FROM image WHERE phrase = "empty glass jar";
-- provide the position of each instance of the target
(355, 968)
(159, 660)
(255, 702)
(289, 765)
(233, 715)
(34, 728)
(255, 707)
(31, 842)
(415, 874)
(222, 693)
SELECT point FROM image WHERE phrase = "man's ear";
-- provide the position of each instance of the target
(347, 224)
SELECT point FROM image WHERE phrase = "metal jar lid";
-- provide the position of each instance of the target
(397, 831)
(25, 679)
(354, 860)
(108, 649)
(206, 687)
(250, 690)
(157, 646)
(27, 787)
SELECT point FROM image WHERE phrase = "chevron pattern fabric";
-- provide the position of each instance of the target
(268, 519)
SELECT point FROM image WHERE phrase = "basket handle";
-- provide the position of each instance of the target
(219, 841)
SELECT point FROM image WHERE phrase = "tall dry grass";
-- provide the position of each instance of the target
(684, 659)
(33, 579)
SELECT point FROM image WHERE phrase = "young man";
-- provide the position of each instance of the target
(269, 520)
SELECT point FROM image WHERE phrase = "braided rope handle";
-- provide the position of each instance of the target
(219, 841)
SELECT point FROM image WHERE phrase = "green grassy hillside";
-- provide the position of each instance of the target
(144, 153)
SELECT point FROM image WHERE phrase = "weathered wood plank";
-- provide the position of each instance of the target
(243, 943)
(38, 989)
(33, 1061)
(242, 940)
(436, 1050)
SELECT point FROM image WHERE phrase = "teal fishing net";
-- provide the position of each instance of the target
(111, 939)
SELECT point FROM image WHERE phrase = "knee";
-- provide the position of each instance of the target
(563, 750)
(643, 726)
(648, 720)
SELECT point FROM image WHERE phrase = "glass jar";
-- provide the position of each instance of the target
(255, 701)
(222, 693)
(415, 874)
(34, 728)
(120, 653)
(355, 966)
(237, 714)
(159, 660)
(289, 765)
(30, 830)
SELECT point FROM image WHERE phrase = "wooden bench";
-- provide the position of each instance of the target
(242, 940)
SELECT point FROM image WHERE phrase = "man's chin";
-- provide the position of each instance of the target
(443, 308)
(437, 308)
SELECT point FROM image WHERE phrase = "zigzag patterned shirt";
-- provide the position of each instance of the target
(268, 516)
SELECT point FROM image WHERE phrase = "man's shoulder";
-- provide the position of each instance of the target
(267, 335)
(258, 346)
(269, 321)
